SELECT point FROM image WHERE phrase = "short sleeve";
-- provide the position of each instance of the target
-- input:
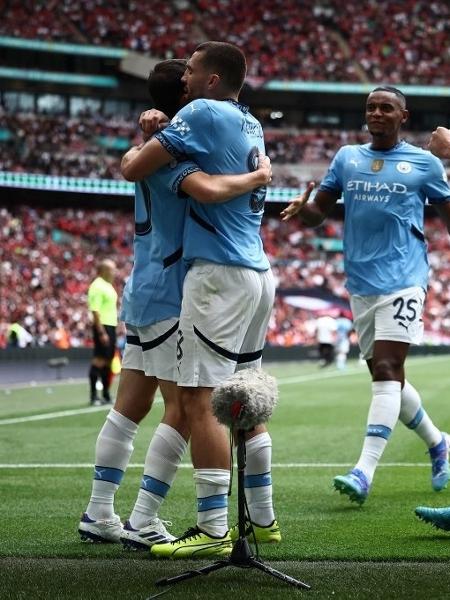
(436, 185)
(178, 175)
(189, 132)
(333, 178)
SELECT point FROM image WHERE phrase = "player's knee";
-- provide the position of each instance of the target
(196, 403)
(387, 369)
(174, 413)
(133, 407)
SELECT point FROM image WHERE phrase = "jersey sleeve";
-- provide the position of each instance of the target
(333, 179)
(178, 175)
(189, 132)
(436, 185)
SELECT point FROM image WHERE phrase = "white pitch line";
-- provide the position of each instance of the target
(62, 413)
(282, 381)
(91, 409)
(189, 466)
(54, 415)
(40, 384)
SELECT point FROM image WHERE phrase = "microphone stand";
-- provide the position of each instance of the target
(241, 555)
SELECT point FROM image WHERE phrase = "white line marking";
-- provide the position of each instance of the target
(63, 413)
(55, 415)
(283, 381)
(189, 466)
(48, 383)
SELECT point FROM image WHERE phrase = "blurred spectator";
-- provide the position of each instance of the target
(75, 147)
(323, 40)
(18, 336)
(326, 328)
(344, 327)
(48, 258)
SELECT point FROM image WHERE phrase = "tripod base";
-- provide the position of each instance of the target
(241, 556)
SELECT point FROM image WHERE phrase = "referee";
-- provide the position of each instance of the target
(102, 302)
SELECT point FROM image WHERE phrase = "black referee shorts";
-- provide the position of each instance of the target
(102, 351)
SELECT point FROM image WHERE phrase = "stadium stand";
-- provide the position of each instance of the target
(92, 146)
(283, 39)
(59, 127)
(58, 249)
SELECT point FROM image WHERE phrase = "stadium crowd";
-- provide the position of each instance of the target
(92, 146)
(283, 39)
(60, 145)
(58, 250)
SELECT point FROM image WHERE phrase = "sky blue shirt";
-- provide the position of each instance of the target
(343, 328)
(221, 137)
(384, 195)
(153, 291)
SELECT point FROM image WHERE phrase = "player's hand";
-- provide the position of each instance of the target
(439, 143)
(151, 121)
(264, 168)
(297, 204)
(104, 338)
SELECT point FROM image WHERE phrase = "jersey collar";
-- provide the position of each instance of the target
(242, 107)
(396, 147)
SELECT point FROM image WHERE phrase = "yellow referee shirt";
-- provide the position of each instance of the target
(102, 297)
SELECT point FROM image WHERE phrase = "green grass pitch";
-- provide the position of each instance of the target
(47, 438)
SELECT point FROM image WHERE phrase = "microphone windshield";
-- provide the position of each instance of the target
(245, 399)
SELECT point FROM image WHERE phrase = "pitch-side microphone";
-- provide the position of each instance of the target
(246, 399)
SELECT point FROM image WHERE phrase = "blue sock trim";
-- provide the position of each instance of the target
(108, 474)
(378, 431)
(260, 480)
(416, 420)
(212, 502)
(154, 486)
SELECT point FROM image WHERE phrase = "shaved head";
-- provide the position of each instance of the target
(107, 269)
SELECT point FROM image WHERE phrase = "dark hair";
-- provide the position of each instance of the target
(391, 90)
(227, 60)
(165, 86)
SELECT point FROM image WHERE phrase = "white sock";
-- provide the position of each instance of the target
(164, 454)
(383, 415)
(258, 479)
(112, 454)
(414, 416)
(212, 500)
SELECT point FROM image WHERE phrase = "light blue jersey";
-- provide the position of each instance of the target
(343, 328)
(384, 196)
(221, 137)
(153, 291)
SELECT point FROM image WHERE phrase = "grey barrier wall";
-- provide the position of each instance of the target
(30, 366)
(271, 353)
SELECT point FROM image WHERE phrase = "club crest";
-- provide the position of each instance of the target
(377, 165)
(404, 167)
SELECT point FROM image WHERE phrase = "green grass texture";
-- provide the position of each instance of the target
(47, 441)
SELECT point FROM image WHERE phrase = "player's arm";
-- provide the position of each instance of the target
(143, 160)
(444, 212)
(211, 189)
(315, 212)
(104, 337)
(437, 189)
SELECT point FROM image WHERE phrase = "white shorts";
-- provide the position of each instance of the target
(395, 317)
(223, 322)
(152, 349)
